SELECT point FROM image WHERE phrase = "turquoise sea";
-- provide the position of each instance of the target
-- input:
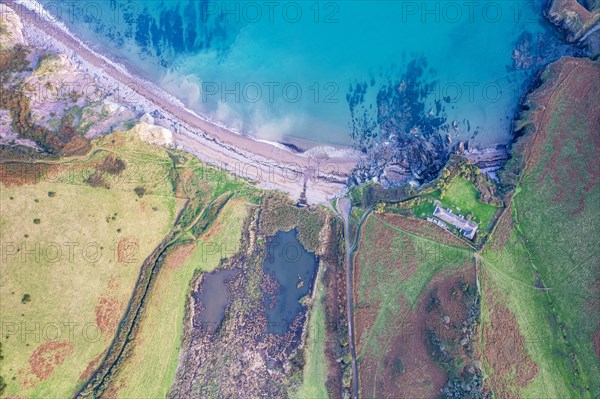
(320, 70)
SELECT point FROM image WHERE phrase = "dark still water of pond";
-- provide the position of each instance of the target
(290, 272)
(214, 296)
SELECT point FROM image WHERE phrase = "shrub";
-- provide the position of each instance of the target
(129, 125)
(397, 366)
(433, 303)
(96, 180)
(140, 191)
(2, 385)
(112, 165)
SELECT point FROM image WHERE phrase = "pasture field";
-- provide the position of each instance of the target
(395, 269)
(72, 246)
(540, 270)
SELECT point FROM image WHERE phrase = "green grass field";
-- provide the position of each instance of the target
(385, 281)
(68, 264)
(557, 324)
(424, 209)
(565, 355)
(315, 369)
(463, 198)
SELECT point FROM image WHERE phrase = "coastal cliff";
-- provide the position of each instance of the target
(551, 184)
(539, 105)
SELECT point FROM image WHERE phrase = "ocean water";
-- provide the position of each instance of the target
(319, 70)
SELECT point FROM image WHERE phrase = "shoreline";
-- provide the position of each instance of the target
(317, 174)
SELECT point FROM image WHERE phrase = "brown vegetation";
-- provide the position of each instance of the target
(113, 391)
(47, 356)
(87, 373)
(18, 174)
(179, 255)
(565, 84)
(96, 180)
(597, 343)
(108, 313)
(112, 165)
(127, 249)
(280, 214)
(413, 367)
(505, 350)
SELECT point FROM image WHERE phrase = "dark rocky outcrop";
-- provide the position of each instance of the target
(414, 159)
(488, 160)
(580, 23)
(401, 139)
(533, 51)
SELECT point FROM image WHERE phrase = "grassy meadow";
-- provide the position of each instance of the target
(463, 198)
(315, 369)
(71, 253)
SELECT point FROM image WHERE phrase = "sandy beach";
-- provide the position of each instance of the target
(321, 172)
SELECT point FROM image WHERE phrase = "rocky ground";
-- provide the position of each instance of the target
(51, 104)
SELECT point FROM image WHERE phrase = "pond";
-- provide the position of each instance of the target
(214, 296)
(290, 270)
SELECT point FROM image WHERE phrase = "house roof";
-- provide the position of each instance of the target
(469, 228)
